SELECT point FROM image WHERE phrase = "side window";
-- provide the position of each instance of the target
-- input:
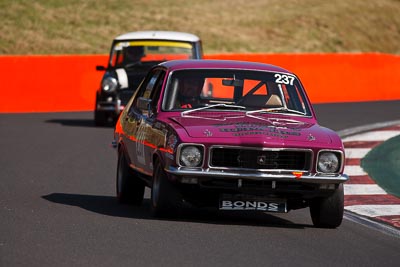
(116, 58)
(155, 94)
(150, 86)
(145, 90)
(147, 85)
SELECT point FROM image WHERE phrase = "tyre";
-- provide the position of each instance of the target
(100, 118)
(165, 199)
(328, 212)
(130, 189)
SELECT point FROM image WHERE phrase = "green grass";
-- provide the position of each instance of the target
(237, 26)
(383, 164)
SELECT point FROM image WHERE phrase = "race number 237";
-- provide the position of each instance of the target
(285, 79)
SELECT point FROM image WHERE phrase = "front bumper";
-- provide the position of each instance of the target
(206, 187)
(114, 106)
(259, 176)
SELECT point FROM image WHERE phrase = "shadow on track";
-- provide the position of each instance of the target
(108, 205)
(79, 123)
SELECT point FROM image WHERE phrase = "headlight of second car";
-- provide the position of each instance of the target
(191, 156)
(328, 162)
(109, 84)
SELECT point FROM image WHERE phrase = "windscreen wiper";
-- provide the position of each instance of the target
(280, 109)
(221, 105)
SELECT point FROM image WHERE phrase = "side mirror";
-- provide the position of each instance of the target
(100, 68)
(143, 104)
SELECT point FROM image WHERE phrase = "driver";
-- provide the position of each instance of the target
(133, 54)
(189, 92)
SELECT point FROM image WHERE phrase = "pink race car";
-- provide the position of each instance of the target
(237, 136)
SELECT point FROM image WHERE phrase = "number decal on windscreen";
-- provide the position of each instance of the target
(285, 79)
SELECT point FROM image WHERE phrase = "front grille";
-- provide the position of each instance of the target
(261, 159)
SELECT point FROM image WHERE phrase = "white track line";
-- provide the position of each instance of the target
(354, 170)
(363, 189)
(375, 210)
(372, 136)
(356, 153)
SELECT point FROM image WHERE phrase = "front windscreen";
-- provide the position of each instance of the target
(250, 91)
(131, 52)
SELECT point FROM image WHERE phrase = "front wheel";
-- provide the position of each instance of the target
(327, 212)
(130, 189)
(100, 118)
(165, 199)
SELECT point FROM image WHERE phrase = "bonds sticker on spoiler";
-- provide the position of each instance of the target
(268, 206)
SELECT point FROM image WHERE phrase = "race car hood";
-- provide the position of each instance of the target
(278, 129)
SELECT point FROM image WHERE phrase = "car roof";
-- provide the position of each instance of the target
(221, 64)
(159, 35)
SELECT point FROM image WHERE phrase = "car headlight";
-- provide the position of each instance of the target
(328, 162)
(109, 84)
(191, 156)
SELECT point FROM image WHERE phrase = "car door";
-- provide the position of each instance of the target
(140, 120)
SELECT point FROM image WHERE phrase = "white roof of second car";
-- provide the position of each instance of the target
(159, 35)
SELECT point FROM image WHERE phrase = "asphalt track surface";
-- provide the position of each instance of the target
(58, 207)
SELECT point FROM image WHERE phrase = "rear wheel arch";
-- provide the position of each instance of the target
(157, 158)
(121, 148)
